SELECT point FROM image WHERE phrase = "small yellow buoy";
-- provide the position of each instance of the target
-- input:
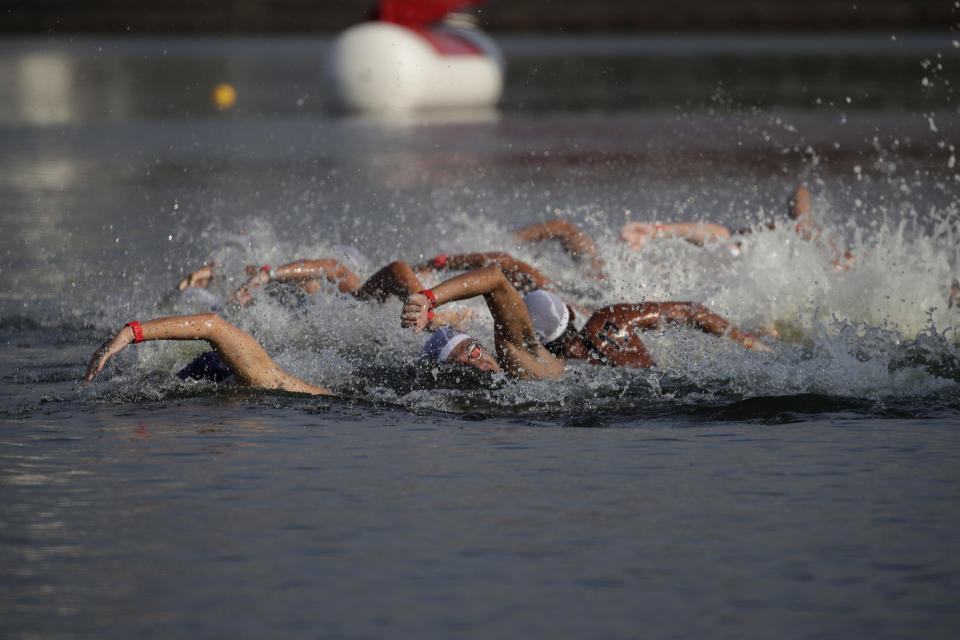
(223, 96)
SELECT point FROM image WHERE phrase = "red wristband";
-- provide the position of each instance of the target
(440, 261)
(432, 298)
(265, 267)
(433, 302)
(137, 331)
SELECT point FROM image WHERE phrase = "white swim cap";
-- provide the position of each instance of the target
(442, 343)
(549, 314)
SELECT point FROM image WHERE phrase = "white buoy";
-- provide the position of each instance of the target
(385, 67)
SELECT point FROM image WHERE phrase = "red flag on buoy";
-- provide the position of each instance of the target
(417, 14)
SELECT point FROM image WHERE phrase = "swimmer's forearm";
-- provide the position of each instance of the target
(698, 316)
(464, 261)
(327, 268)
(574, 241)
(194, 327)
(482, 281)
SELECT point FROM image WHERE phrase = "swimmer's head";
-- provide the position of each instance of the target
(450, 345)
(553, 322)
(549, 314)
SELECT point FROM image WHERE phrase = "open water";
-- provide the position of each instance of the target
(810, 492)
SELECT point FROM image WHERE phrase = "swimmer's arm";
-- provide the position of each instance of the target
(237, 349)
(574, 241)
(650, 316)
(307, 273)
(518, 349)
(809, 229)
(636, 234)
(524, 277)
(325, 268)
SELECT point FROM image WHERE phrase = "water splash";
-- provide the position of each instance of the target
(880, 330)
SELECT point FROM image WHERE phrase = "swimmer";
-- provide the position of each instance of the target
(236, 349)
(528, 351)
(610, 335)
(537, 289)
(519, 354)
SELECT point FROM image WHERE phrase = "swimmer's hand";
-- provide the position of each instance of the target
(199, 279)
(636, 234)
(243, 296)
(106, 351)
(416, 312)
(748, 340)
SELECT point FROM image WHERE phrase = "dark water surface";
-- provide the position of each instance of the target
(810, 492)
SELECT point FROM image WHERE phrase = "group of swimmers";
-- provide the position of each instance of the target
(534, 328)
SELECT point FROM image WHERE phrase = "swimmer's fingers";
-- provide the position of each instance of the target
(106, 351)
(414, 318)
(96, 363)
(415, 312)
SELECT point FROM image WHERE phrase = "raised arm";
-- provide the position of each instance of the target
(637, 234)
(237, 349)
(808, 228)
(574, 241)
(520, 353)
(524, 277)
